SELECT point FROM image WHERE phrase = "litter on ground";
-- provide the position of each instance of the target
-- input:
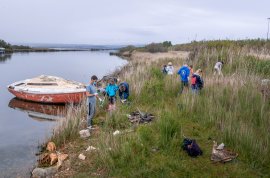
(91, 148)
(81, 156)
(84, 133)
(140, 117)
(51, 157)
(117, 132)
(222, 155)
(191, 147)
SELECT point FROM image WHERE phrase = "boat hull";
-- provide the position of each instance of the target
(75, 97)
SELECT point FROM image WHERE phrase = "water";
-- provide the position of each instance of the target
(21, 125)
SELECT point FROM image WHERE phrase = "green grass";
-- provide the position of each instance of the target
(229, 110)
(236, 116)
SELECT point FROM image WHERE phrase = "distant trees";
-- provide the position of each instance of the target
(250, 44)
(129, 48)
(12, 48)
(4, 44)
(152, 48)
(167, 44)
(158, 47)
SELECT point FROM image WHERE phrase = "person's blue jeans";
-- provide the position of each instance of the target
(91, 109)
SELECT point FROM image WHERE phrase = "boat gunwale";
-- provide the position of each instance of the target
(49, 92)
(43, 91)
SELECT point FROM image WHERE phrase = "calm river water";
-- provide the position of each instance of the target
(21, 125)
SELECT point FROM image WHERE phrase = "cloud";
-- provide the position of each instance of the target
(123, 21)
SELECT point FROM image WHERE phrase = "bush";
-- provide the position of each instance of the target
(4, 44)
(156, 47)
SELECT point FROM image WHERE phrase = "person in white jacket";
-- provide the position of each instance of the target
(170, 69)
(218, 67)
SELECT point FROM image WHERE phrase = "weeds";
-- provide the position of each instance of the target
(229, 110)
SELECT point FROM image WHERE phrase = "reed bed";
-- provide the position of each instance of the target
(229, 109)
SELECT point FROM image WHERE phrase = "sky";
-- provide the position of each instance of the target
(104, 22)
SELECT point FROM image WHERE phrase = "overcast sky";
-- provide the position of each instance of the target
(131, 21)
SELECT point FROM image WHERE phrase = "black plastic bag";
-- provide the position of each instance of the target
(191, 147)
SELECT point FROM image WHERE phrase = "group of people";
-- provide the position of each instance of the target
(189, 78)
(187, 75)
(110, 91)
(168, 69)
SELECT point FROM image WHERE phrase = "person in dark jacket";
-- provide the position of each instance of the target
(164, 69)
(123, 91)
(197, 81)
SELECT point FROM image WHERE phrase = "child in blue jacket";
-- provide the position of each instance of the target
(111, 90)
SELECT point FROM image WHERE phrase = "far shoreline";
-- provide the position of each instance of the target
(52, 50)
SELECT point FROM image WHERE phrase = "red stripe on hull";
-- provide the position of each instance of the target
(50, 98)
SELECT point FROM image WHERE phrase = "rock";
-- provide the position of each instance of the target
(82, 157)
(44, 172)
(84, 133)
(117, 132)
(51, 146)
(90, 148)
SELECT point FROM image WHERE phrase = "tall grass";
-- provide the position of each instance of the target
(68, 129)
(229, 109)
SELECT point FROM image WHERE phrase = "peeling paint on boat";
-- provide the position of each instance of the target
(48, 89)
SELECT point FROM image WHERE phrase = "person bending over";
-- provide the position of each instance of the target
(123, 91)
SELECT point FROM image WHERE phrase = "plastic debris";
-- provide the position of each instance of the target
(140, 117)
(222, 155)
(191, 147)
(90, 148)
(82, 157)
(84, 133)
(221, 146)
(117, 132)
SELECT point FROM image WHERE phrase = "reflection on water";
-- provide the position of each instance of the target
(5, 57)
(21, 135)
(39, 112)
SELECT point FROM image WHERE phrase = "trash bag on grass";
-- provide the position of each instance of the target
(222, 155)
(191, 147)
